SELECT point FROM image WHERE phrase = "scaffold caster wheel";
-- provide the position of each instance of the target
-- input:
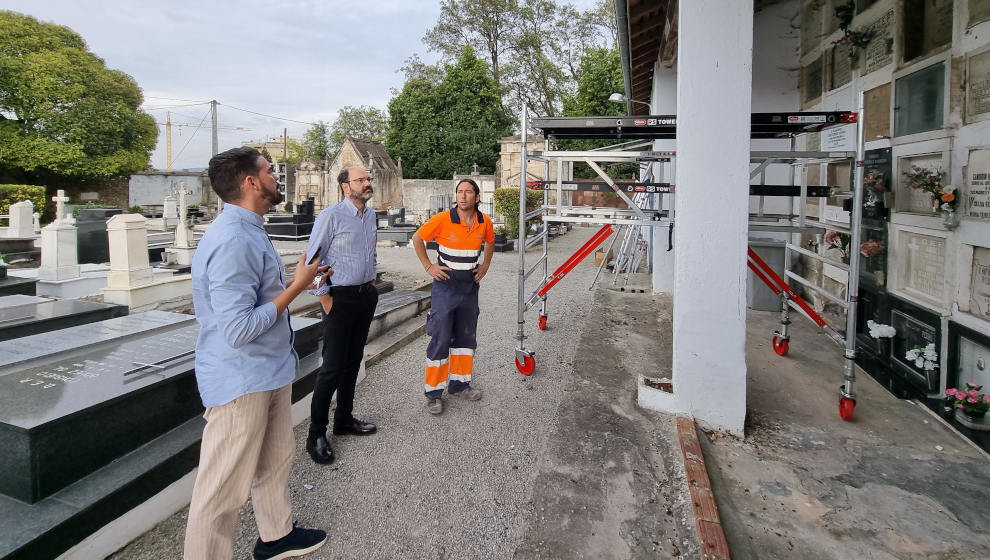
(527, 366)
(543, 323)
(780, 345)
(846, 407)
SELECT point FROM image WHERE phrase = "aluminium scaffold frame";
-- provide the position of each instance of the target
(645, 212)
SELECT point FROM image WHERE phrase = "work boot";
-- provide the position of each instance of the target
(435, 406)
(468, 393)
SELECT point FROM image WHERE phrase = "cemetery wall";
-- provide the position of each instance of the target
(416, 194)
(111, 191)
(149, 189)
(923, 69)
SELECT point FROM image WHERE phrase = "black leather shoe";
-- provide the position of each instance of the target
(320, 450)
(355, 427)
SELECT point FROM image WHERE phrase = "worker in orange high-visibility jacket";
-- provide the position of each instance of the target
(453, 320)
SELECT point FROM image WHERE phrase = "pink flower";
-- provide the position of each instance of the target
(951, 392)
(960, 406)
(986, 399)
(972, 400)
(973, 392)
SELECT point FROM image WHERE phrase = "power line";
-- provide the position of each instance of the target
(193, 135)
(269, 116)
(197, 101)
(162, 107)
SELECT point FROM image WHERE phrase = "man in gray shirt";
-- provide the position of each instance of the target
(346, 235)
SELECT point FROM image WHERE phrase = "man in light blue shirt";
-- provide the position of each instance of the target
(245, 365)
(346, 234)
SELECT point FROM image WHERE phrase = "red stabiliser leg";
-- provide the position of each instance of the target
(543, 323)
(846, 407)
(527, 367)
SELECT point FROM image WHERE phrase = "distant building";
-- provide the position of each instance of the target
(286, 171)
(370, 155)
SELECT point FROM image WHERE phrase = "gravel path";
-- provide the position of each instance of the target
(561, 464)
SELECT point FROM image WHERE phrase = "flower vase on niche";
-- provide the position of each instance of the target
(970, 406)
(873, 194)
(950, 219)
(944, 198)
(873, 251)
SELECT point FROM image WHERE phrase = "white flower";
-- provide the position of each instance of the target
(930, 353)
(948, 189)
(912, 354)
(919, 362)
(928, 364)
(878, 330)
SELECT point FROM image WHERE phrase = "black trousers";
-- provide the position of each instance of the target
(345, 332)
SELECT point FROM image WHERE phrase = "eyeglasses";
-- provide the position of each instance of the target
(360, 180)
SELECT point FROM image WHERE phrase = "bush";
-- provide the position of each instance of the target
(10, 194)
(507, 204)
(136, 209)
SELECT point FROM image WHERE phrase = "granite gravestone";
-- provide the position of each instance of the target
(27, 315)
(91, 234)
(291, 227)
(77, 397)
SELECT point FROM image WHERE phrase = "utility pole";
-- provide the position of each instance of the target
(168, 140)
(213, 105)
(285, 157)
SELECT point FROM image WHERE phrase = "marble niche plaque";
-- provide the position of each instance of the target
(974, 362)
(925, 265)
(978, 185)
(879, 51)
(841, 66)
(978, 86)
(876, 109)
(915, 200)
(979, 289)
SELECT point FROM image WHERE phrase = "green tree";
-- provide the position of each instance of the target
(63, 113)
(600, 76)
(442, 129)
(316, 141)
(363, 122)
(492, 24)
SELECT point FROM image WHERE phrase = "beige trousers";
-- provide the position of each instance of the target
(247, 447)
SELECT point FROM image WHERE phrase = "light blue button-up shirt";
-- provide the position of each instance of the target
(243, 346)
(348, 240)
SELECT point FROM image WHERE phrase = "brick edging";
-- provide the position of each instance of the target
(710, 534)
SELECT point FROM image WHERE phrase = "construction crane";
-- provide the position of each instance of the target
(168, 134)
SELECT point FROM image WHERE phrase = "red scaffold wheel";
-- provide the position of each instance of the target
(527, 366)
(846, 407)
(780, 345)
(543, 323)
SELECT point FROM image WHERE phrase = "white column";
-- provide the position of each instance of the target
(715, 57)
(664, 102)
(129, 265)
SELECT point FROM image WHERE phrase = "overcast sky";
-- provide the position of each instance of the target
(293, 59)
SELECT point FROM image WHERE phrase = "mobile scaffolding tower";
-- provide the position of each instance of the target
(644, 212)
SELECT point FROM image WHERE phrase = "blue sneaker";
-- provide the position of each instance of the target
(299, 541)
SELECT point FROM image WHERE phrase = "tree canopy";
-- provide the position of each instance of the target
(62, 111)
(363, 122)
(532, 48)
(446, 128)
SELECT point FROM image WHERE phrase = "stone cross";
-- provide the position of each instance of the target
(474, 169)
(183, 233)
(60, 211)
(183, 206)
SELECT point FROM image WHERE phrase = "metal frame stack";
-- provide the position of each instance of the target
(645, 212)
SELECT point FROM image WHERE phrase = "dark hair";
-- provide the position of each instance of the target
(344, 176)
(228, 170)
(477, 189)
